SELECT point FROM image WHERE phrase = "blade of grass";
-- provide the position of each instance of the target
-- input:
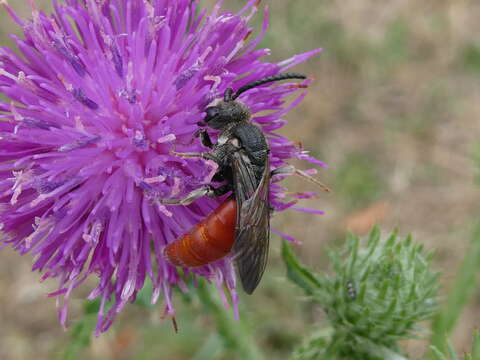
(461, 292)
(476, 346)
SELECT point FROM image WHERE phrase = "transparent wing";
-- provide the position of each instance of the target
(253, 220)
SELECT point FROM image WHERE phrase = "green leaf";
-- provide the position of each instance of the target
(298, 273)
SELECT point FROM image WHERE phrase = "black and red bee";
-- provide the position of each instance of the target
(241, 224)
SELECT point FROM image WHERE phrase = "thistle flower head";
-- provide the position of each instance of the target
(100, 93)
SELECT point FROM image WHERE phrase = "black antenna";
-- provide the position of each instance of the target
(268, 79)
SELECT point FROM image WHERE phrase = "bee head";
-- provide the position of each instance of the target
(230, 111)
(225, 113)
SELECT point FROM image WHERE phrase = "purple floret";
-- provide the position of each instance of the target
(100, 94)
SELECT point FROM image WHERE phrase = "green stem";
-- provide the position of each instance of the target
(236, 335)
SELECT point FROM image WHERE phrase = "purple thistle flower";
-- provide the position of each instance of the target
(101, 93)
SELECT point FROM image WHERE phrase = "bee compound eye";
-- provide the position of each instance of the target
(212, 112)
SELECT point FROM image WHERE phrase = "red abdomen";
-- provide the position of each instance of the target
(209, 240)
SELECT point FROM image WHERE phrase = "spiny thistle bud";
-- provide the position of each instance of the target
(375, 297)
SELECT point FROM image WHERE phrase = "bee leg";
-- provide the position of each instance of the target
(223, 189)
(204, 138)
(290, 170)
(203, 155)
(206, 190)
(284, 170)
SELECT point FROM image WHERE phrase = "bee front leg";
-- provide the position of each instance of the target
(204, 138)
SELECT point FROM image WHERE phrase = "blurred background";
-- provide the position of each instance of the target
(394, 112)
